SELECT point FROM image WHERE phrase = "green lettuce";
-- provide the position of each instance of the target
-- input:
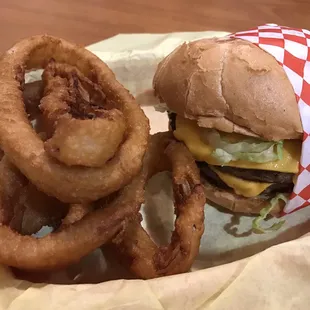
(251, 149)
(257, 228)
(161, 107)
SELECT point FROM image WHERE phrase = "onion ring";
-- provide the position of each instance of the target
(89, 230)
(146, 259)
(84, 132)
(69, 244)
(71, 184)
(22, 207)
(39, 210)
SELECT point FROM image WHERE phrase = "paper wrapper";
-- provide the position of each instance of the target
(291, 48)
(239, 278)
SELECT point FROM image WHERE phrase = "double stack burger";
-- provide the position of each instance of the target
(233, 106)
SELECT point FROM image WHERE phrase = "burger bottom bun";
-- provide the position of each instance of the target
(236, 203)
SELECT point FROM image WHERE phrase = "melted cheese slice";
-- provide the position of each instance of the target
(242, 187)
(189, 132)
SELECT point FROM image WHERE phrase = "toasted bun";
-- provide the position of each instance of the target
(231, 85)
(236, 203)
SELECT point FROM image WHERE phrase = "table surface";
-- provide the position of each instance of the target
(88, 21)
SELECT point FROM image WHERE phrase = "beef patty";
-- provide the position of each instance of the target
(258, 175)
(172, 118)
(209, 175)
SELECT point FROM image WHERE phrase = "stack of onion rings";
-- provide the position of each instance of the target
(25, 148)
(82, 106)
(83, 168)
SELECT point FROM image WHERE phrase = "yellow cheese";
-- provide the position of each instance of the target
(242, 187)
(189, 132)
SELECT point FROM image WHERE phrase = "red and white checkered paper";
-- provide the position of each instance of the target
(291, 48)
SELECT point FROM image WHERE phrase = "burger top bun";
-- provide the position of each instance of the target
(231, 85)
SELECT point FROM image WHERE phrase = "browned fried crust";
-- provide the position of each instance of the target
(84, 231)
(38, 210)
(146, 259)
(12, 183)
(22, 206)
(25, 148)
(69, 244)
(76, 212)
(81, 130)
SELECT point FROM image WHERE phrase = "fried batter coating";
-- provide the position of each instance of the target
(84, 133)
(145, 259)
(25, 148)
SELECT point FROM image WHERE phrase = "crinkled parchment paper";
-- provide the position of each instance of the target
(276, 278)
